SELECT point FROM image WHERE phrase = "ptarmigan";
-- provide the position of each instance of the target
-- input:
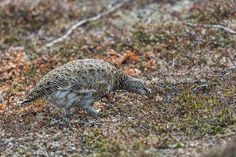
(81, 83)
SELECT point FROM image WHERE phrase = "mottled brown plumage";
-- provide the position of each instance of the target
(81, 83)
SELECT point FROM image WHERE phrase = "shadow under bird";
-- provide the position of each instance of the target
(81, 83)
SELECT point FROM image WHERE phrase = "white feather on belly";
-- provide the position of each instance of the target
(68, 98)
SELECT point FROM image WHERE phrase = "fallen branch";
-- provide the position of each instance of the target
(191, 37)
(79, 23)
(228, 30)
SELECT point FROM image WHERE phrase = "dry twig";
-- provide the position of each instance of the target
(228, 30)
(84, 21)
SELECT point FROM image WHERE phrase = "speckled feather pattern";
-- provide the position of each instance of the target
(82, 82)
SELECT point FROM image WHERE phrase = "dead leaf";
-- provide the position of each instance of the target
(132, 71)
(151, 64)
(129, 56)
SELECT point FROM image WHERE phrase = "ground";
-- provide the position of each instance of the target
(191, 71)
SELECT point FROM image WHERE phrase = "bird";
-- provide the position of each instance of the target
(81, 83)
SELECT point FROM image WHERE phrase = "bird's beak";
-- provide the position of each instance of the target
(21, 103)
(145, 91)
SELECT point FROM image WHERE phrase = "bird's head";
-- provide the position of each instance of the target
(134, 85)
(142, 88)
(138, 86)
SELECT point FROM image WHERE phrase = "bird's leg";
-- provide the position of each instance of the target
(88, 105)
(67, 112)
(91, 110)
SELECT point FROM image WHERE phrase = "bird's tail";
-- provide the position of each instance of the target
(31, 96)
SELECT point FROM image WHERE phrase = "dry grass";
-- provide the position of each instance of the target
(185, 118)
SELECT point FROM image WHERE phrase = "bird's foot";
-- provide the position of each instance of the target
(95, 113)
(92, 111)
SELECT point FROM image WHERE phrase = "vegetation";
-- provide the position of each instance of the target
(190, 67)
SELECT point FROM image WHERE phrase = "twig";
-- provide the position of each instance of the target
(228, 30)
(95, 139)
(84, 21)
(229, 69)
(195, 38)
(189, 81)
(226, 135)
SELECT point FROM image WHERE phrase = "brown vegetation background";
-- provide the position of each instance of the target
(169, 42)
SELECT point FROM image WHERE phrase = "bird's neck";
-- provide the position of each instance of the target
(128, 83)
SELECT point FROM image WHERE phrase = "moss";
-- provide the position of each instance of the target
(139, 144)
(141, 37)
(190, 103)
(143, 126)
(213, 11)
(96, 141)
(12, 40)
(201, 115)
